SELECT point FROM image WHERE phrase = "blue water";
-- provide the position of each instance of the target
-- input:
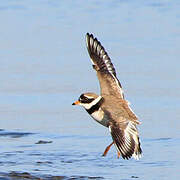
(44, 67)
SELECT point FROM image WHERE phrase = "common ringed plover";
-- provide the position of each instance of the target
(110, 108)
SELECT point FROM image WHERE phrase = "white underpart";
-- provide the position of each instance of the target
(89, 105)
(100, 118)
(98, 115)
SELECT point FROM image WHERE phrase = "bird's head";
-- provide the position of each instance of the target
(88, 100)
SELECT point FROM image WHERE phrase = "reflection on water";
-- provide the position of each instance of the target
(44, 67)
(17, 175)
(13, 134)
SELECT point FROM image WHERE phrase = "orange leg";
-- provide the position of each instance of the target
(118, 154)
(107, 149)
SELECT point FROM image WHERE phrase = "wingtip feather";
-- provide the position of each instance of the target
(127, 141)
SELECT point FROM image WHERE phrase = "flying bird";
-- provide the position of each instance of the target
(110, 109)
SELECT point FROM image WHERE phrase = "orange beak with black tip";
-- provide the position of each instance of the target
(76, 103)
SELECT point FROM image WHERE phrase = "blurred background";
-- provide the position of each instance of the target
(44, 67)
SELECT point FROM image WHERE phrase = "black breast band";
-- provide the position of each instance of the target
(95, 107)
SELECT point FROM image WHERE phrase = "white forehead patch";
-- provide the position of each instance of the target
(89, 97)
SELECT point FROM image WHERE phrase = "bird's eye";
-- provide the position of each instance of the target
(84, 99)
(81, 97)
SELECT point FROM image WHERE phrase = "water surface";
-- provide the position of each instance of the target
(44, 67)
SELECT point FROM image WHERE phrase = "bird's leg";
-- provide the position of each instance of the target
(118, 154)
(107, 149)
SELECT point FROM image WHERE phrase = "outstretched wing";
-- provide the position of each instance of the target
(106, 73)
(126, 139)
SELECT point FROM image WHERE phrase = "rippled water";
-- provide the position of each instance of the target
(44, 67)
